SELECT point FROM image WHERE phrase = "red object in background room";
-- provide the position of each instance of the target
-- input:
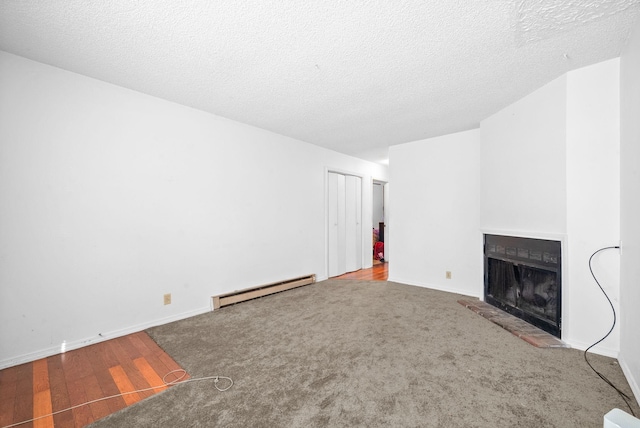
(378, 251)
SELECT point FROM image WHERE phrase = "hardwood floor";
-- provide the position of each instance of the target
(75, 377)
(379, 272)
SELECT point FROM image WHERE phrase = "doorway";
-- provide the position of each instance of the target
(378, 220)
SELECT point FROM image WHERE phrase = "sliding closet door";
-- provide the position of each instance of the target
(345, 223)
(353, 215)
(337, 235)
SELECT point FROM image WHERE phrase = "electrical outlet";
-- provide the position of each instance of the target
(167, 299)
(448, 275)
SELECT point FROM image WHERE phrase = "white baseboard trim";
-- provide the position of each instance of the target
(434, 287)
(598, 349)
(633, 382)
(69, 346)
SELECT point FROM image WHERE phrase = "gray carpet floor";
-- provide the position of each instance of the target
(358, 353)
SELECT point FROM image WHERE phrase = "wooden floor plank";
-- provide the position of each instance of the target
(107, 355)
(42, 409)
(124, 360)
(126, 364)
(59, 393)
(120, 353)
(23, 407)
(157, 365)
(8, 386)
(137, 340)
(150, 344)
(75, 364)
(129, 348)
(81, 415)
(124, 385)
(41, 395)
(93, 391)
(40, 376)
(149, 374)
(102, 375)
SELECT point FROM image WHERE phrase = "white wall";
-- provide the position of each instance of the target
(630, 210)
(110, 198)
(523, 164)
(435, 213)
(593, 204)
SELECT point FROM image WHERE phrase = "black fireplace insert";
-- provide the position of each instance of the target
(522, 276)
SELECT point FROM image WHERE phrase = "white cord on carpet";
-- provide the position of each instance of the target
(215, 379)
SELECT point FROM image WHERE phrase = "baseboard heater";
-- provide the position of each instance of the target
(617, 418)
(260, 291)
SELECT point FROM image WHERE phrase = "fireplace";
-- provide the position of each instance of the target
(522, 276)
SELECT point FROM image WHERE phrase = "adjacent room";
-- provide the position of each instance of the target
(281, 213)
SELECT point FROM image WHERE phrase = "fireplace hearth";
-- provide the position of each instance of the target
(522, 276)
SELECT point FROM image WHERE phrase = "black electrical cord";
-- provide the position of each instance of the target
(624, 396)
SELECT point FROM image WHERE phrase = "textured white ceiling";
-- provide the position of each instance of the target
(352, 76)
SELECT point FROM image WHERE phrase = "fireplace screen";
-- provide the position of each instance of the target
(522, 277)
